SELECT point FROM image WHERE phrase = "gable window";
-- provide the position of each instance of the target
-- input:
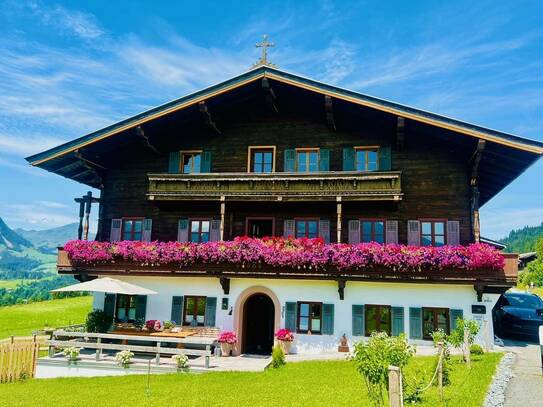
(372, 230)
(125, 308)
(377, 319)
(191, 162)
(366, 158)
(434, 319)
(199, 230)
(195, 311)
(132, 229)
(261, 159)
(309, 317)
(307, 159)
(307, 228)
(432, 232)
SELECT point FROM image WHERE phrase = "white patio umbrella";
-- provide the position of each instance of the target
(107, 285)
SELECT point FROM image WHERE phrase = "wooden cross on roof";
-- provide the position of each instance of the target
(265, 44)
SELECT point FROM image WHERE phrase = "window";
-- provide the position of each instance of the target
(261, 159)
(132, 228)
(434, 319)
(377, 319)
(199, 231)
(307, 228)
(195, 311)
(259, 227)
(366, 158)
(307, 160)
(432, 232)
(309, 317)
(372, 231)
(191, 162)
(125, 308)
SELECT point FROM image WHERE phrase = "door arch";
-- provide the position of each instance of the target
(258, 319)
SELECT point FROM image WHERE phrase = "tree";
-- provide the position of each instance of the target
(534, 270)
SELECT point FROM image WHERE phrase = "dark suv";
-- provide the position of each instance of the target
(518, 315)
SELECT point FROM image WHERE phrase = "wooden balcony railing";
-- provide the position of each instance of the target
(323, 186)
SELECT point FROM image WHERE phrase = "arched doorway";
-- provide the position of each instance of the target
(258, 324)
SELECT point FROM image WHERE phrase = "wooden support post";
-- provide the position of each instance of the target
(98, 350)
(88, 203)
(400, 133)
(440, 369)
(329, 109)
(339, 218)
(467, 355)
(474, 181)
(208, 349)
(157, 360)
(223, 210)
(486, 328)
(394, 387)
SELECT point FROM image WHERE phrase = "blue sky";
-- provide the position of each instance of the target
(68, 68)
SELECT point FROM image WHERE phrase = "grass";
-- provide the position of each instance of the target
(21, 320)
(9, 284)
(332, 383)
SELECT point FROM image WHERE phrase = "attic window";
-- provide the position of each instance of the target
(191, 162)
(366, 158)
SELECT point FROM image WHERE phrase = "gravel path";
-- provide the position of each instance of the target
(498, 388)
(526, 386)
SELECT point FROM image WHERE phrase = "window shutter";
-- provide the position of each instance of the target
(290, 316)
(177, 310)
(391, 231)
(324, 230)
(211, 310)
(348, 159)
(324, 159)
(455, 314)
(205, 165)
(289, 228)
(385, 159)
(327, 319)
(415, 323)
(141, 307)
(147, 228)
(115, 233)
(397, 321)
(453, 232)
(215, 232)
(413, 232)
(109, 305)
(183, 230)
(290, 161)
(175, 157)
(354, 231)
(358, 320)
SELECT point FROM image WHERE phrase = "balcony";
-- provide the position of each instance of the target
(321, 186)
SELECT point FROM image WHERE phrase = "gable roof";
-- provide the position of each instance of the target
(423, 116)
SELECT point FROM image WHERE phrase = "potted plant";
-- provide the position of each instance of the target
(72, 353)
(124, 357)
(168, 326)
(182, 361)
(284, 339)
(153, 325)
(139, 324)
(227, 340)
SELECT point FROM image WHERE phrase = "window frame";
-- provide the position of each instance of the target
(196, 298)
(249, 218)
(373, 221)
(435, 310)
(378, 316)
(252, 149)
(366, 148)
(126, 308)
(305, 150)
(132, 218)
(199, 228)
(306, 220)
(183, 153)
(298, 316)
(433, 221)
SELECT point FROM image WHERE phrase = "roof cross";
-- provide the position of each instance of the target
(265, 44)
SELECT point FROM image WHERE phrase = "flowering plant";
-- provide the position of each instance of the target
(304, 253)
(169, 324)
(72, 353)
(153, 325)
(124, 357)
(284, 335)
(228, 337)
(181, 360)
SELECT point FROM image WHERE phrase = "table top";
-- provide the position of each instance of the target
(181, 334)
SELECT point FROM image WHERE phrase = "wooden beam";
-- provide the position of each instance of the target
(207, 116)
(223, 210)
(225, 284)
(329, 109)
(339, 218)
(475, 221)
(269, 94)
(145, 139)
(476, 159)
(341, 288)
(400, 133)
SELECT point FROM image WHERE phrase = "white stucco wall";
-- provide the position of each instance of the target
(394, 294)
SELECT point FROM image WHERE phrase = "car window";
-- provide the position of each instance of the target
(524, 301)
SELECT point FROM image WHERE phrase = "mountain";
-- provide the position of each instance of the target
(48, 240)
(523, 240)
(11, 240)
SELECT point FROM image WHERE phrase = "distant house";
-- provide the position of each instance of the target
(270, 153)
(525, 258)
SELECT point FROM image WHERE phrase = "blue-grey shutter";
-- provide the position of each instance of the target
(354, 231)
(211, 310)
(205, 165)
(215, 232)
(289, 228)
(391, 231)
(115, 232)
(348, 159)
(455, 314)
(385, 160)
(177, 309)
(147, 229)
(109, 305)
(175, 157)
(324, 230)
(290, 161)
(413, 233)
(453, 232)
(183, 230)
(415, 323)
(324, 159)
(358, 320)
(290, 316)
(397, 321)
(327, 319)
(141, 307)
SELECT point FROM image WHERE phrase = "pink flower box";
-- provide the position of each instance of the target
(284, 335)
(228, 337)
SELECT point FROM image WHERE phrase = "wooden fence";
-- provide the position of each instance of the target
(18, 358)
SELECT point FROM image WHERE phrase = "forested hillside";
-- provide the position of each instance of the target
(523, 240)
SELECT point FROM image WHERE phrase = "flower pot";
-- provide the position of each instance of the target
(285, 346)
(226, 349)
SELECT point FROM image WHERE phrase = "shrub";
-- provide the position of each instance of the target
(456, 338)
(124, 357)
(181, 360)
(98, 321)
(476, 349)
(278, 357)
(72, 353)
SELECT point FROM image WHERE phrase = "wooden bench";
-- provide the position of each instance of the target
(202, 331)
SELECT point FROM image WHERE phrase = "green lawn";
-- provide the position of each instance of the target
(11, 283)
(21, 320)
(298, 384)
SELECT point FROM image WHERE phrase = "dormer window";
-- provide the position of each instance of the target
(366, 159)
(191, 162)
(261, 159)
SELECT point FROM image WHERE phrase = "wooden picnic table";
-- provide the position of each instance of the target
(180, 334)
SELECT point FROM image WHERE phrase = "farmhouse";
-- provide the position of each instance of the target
(392, 192)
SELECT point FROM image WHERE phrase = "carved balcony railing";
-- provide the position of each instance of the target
(322, 186)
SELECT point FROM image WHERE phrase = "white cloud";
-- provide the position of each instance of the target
(35, 215)
(496, 223)
(23, 145)
(52, 204)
